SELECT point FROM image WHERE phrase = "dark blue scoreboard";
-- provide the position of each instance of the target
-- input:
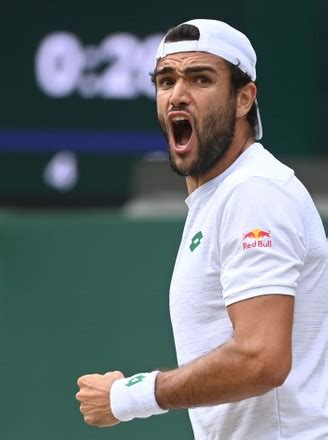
(77, 104)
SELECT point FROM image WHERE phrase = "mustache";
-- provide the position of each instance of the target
(179, 107)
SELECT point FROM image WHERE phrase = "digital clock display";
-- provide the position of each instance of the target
(76, 91)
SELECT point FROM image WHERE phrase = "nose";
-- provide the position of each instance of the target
(180, 94)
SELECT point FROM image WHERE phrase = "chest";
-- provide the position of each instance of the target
(198, 314)
(198, 261)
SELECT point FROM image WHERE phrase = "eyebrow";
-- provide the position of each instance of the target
(192, 69)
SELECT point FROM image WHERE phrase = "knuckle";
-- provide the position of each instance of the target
(89, 420)
(83, 379)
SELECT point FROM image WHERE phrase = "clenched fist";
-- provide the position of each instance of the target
(94, 398)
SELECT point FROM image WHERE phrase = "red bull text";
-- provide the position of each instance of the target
(254, 239)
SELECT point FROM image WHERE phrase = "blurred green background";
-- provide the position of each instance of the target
(82, 293)
(86, 290)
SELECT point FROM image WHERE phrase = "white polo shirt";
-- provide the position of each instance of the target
(251, 231)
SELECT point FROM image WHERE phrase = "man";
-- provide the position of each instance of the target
(249, 292)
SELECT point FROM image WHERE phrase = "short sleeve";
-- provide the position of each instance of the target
(262, 241)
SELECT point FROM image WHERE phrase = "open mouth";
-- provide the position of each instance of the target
(182, 132)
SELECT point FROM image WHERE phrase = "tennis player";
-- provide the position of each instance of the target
(249, 292)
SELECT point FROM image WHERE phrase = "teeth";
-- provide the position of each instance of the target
(179, 118)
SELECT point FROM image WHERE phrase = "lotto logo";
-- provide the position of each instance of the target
(135, 379)
(195, 241)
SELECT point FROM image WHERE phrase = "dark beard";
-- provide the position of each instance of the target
(213, 142)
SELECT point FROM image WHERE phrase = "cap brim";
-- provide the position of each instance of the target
(258, 125)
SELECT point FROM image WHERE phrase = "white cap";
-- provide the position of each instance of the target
(219, 39)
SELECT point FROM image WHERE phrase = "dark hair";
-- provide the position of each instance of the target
(182, 32)
(238, 79)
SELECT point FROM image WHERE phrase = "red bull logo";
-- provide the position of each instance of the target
(257, 236)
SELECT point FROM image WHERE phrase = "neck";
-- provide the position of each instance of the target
(238, 146)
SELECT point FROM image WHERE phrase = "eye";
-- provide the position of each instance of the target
(165, 82)
(202, 80)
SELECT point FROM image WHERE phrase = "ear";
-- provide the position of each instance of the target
(245, 99)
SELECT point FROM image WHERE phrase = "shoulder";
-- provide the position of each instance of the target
(264, 204)
(267, 189)
(262, 197)
(259, 175)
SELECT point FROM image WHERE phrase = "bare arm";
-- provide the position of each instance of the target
(255, 360)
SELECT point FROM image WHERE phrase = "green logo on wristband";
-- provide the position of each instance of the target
(135, 379)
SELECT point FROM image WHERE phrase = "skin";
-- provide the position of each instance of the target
(213, 132)
(258, 356)
(93, 398)
(188, 90)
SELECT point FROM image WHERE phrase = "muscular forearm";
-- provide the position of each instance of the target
(225, 375)
(255, 360)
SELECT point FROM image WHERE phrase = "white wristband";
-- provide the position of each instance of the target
(134, 396)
